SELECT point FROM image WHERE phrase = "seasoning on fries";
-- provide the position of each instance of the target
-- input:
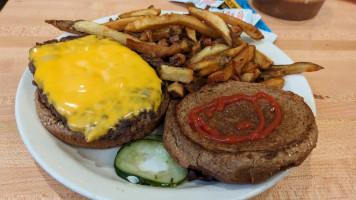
(178, 74)
(176, 90)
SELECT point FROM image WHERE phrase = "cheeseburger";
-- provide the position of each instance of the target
(93, 92)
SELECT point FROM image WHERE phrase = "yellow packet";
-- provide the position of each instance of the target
(232, 4)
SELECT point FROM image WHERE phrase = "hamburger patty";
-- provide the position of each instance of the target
(246, 162)
(124, 131)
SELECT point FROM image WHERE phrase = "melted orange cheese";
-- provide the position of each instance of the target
(95, 82)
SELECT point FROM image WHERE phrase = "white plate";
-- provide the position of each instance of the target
(91, 173)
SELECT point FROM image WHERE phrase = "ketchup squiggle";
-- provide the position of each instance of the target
(218, 104)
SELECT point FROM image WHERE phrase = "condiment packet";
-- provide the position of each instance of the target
(203, 4)
(232, 4)
(267, 33)
(255, 18)
(242, 14)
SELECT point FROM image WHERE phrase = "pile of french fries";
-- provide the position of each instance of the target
(195, 49)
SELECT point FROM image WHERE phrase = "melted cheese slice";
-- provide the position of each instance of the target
(95, 82)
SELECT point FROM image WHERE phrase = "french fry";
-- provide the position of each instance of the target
(235, 78)
(102, 30)
(222, 75)
(251, 52)
(238, 41)
(160, 33)
(247, 77)
(256, 74)
(146, 36)
(263, 61)
(213, 63)
(63, 25)
(153, 22)
(213, 21)
(176, 90)
(179, 74)
(151, 10)
(240, 60)
(92, 28)
(120, 24)
(196, 48)
(272, 73)
(176, 29)
(297, 68)
(235, 32)
(208, 51)
(249, 67)
(250, 76)
(212, 68)
(277, 82)
(177, 59)
(249, 29)
(157, 50)
(191, 34)
(234, 51)
(163, 42)
(210, 64)
(165, 32)
(174, 38)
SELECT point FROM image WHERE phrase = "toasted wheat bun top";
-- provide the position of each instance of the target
(246, 162)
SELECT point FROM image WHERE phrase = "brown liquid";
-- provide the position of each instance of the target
(289, 9)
